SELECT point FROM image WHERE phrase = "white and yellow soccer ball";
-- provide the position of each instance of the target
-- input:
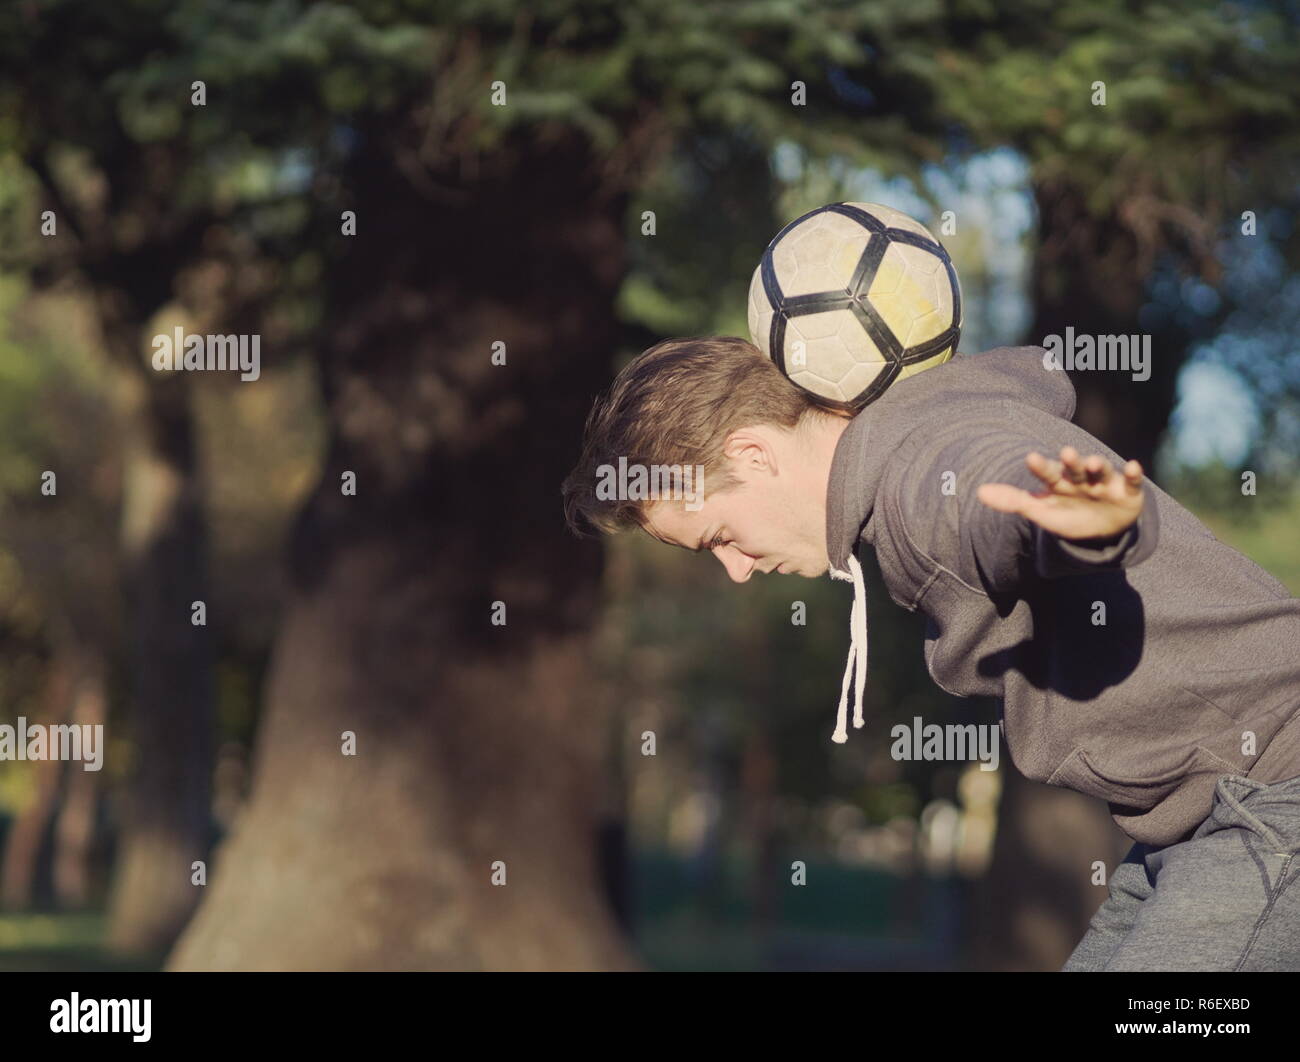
(853, 297)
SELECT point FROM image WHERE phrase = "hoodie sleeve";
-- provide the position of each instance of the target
(931, 497)
(1055, 556)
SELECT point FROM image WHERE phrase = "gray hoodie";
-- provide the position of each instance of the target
(1136, 669)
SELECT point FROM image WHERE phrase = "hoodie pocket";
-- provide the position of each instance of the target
(1081, 773)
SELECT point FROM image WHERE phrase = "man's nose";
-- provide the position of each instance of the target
(740, 566)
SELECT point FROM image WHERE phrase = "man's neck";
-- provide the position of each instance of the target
(823, 438)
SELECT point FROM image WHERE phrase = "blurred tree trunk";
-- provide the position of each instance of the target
(20, 868)
(1035, 902)
(74, 830)
(166, 825)
(758, 783)
(1033, 905)
(65, 791)
(132, 242)
(478, 746)
(1089, 273)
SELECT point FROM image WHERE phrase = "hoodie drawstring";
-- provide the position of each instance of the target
(857, 651)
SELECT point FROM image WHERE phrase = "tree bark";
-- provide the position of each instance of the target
(74, 830)
(1033, 905)
(167, 821)
(1089, 274)
(477, 745)
(37, 856)
(20, 868)
(1035, 902)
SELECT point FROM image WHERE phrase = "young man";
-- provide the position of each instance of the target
(1135, 657)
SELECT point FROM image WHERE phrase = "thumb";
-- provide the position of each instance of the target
(1002, 496)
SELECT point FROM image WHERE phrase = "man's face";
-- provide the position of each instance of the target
(774, 520)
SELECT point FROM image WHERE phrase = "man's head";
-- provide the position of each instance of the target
(719, 405)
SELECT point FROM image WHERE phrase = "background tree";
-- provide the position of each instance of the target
(562, 186)
(1148, 136)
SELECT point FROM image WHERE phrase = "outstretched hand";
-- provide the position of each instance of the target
(1085, 497)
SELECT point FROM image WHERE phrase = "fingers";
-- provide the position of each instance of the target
(1003, 497)
(1097, 469)
(1049, 471)
(1075, 470)
(1133, 474)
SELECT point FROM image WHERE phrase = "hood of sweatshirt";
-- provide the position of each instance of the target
(1123, 671)
(863, 453)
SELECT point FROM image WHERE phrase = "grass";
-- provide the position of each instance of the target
(63, 943)
(1272, 542)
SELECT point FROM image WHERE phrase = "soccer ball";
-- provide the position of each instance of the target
(851, 298)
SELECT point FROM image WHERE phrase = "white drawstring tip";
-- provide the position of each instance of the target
(856, 665)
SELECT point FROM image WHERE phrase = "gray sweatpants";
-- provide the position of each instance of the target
(1225, 899)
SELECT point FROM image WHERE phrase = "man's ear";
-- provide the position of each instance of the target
(751, 450)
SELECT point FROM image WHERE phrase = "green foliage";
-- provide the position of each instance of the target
(282, 73)
(1194, 93)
